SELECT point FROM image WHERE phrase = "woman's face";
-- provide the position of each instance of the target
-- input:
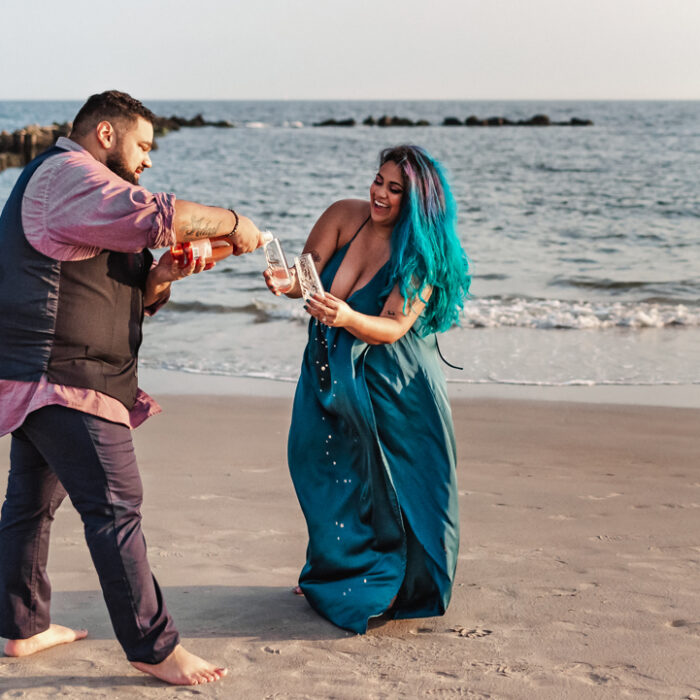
(385, 194)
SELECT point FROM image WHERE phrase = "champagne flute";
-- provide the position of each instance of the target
(309, 280)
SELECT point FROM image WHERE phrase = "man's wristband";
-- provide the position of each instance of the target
(235, 226)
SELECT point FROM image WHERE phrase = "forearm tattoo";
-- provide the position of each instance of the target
(199, 227)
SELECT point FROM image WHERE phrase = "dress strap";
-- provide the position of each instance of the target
(362, 225)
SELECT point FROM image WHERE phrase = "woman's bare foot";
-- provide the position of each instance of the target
(53, 636)
(297, 590)
(182, 668)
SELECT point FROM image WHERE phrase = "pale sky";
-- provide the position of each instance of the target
(359, 49)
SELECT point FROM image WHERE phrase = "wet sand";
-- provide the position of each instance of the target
(578, 577)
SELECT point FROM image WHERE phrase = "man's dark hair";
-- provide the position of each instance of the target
(110, 105)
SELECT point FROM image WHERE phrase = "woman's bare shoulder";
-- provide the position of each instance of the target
(349, 215)
(336, 226)
(349, 207)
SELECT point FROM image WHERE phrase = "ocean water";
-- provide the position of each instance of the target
(584, 242)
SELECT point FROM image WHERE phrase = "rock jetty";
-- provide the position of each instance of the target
(337, 122)
(537, 120)
(163, 125)
(21, 146)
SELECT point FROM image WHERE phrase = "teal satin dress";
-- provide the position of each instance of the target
(372, 456)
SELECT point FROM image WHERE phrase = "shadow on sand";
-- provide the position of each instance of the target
(257, 614)
(262, 613)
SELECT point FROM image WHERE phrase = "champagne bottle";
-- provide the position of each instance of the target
(211, 249)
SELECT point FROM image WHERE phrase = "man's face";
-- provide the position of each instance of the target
(129, 156)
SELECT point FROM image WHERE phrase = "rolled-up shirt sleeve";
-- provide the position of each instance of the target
(74, 207)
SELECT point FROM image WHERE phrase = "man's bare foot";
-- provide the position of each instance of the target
(297, 590)
(182, 668)
(55, 635)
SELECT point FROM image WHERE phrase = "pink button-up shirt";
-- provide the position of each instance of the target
(73, 208)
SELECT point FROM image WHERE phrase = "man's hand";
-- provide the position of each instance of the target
(247, 237)
(169, 270)
(164, 274)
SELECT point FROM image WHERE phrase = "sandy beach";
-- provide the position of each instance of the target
(578, 576)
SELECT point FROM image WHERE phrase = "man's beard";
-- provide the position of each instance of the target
(117, 164)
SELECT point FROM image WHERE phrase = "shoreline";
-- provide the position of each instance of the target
(157, 382)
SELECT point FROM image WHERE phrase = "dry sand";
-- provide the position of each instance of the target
(579, 570)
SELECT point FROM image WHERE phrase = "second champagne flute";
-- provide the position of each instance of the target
(309, 281)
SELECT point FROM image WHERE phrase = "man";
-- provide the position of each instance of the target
(75, 278)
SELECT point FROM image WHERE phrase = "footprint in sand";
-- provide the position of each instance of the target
(692, 627)
(614, 494)
(564, 592)
(571, 592)
(473, 633)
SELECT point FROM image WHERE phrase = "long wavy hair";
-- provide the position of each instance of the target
(425, 248)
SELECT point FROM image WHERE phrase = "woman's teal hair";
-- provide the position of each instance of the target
(425, 248)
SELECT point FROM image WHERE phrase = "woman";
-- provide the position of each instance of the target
(371, 445)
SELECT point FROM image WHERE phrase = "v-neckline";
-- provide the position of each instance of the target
(369, 281)
(346, 248)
